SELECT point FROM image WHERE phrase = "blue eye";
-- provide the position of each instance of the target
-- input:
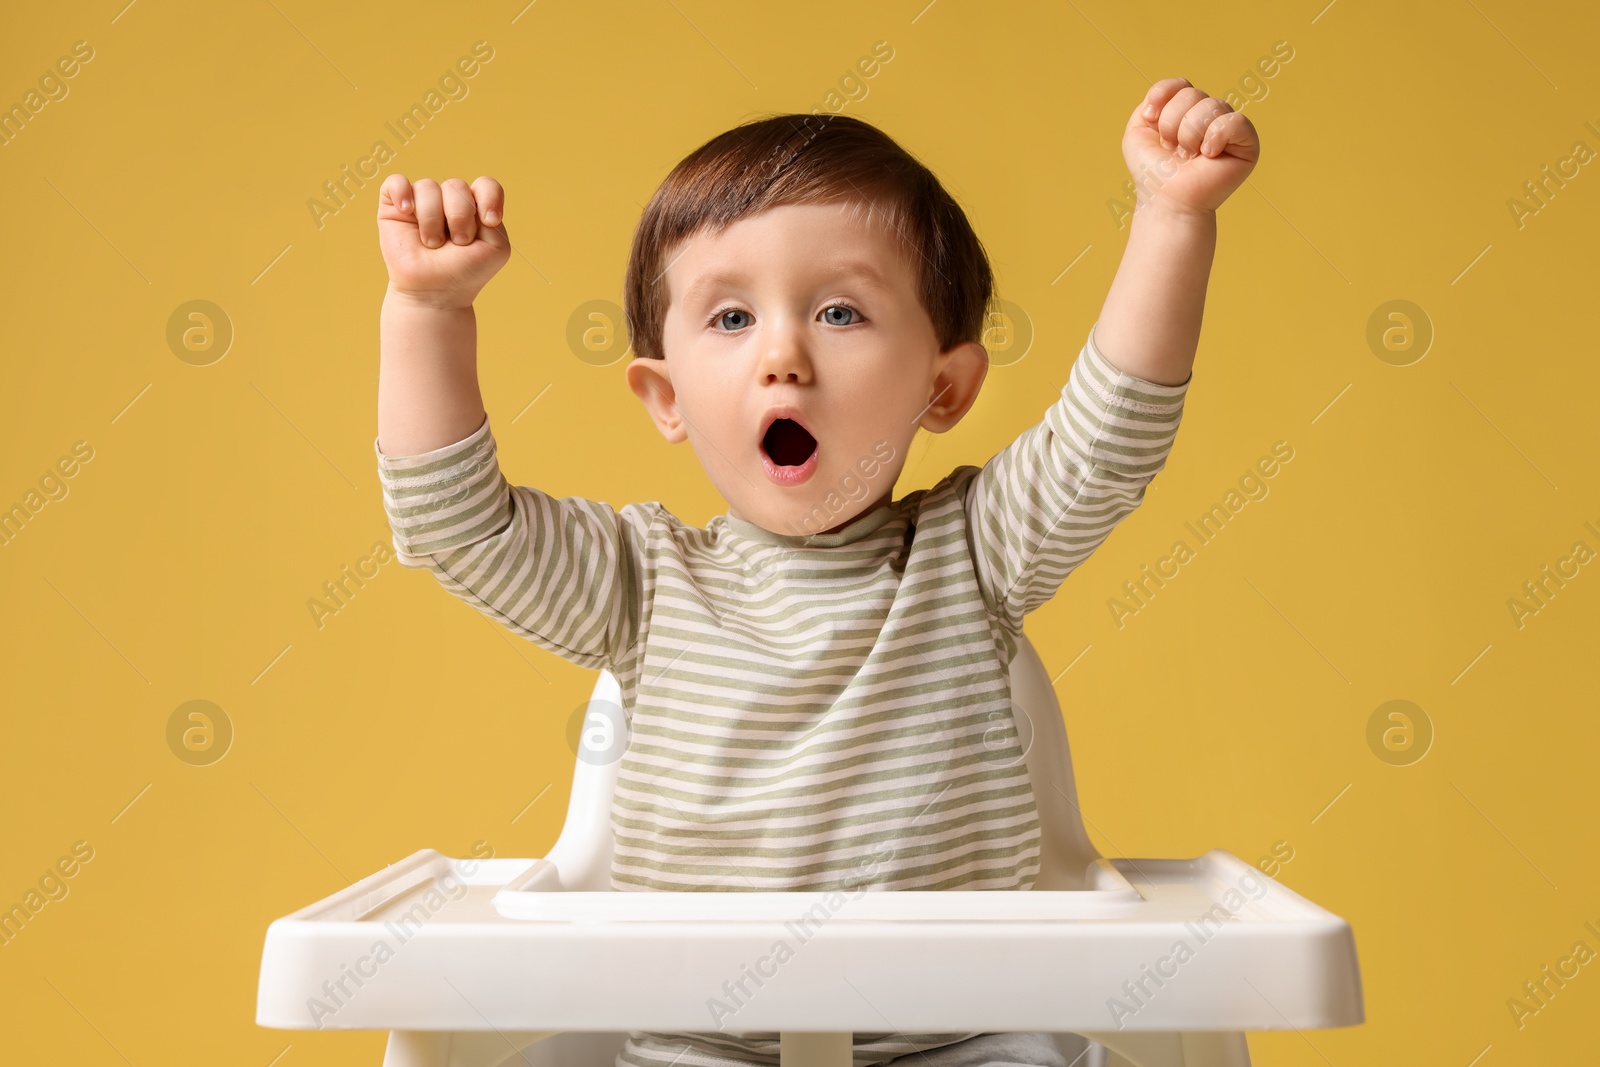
(721, 315)
(841, 307)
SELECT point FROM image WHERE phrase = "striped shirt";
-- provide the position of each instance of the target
(828, 712)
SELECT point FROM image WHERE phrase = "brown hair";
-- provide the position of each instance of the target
(811, 159)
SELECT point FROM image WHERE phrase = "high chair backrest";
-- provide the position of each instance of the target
(582, 854)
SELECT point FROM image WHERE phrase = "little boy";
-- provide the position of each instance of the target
(812, 683)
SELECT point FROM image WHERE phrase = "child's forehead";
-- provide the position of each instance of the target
(870, 274)
(834, 239)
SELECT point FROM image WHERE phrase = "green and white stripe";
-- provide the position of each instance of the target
(804, 713)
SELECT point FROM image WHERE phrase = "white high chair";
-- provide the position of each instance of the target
(477, 963)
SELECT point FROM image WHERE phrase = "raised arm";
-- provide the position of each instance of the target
(1043, 504)
(568, 574)
(1187, 152)
(441, 244)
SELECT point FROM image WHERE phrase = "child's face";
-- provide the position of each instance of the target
(781, 309)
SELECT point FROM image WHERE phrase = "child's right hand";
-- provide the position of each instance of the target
(442, 243)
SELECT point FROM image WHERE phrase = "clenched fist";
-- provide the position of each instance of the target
(442, 243)
(1187, 151)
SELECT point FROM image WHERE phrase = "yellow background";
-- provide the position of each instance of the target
(1230, 712)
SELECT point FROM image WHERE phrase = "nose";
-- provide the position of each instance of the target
(784, 356)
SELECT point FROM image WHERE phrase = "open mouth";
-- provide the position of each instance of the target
(788, 450)
(788, 444)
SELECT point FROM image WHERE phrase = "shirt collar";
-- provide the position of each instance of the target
(858, 528)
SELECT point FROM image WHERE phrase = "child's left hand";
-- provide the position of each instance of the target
(1187, 151)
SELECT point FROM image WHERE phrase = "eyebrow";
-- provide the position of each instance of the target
(857, 270)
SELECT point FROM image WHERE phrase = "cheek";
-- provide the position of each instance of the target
(715, 411)
(873, 414)
(877, 364)
(891, 389)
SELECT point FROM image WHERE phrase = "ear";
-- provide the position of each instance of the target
(959, 374)
(652, 384)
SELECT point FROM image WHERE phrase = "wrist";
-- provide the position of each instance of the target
(425, 300)
(1165, 213)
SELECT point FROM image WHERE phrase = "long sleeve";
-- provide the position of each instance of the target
(567, 573)
(1045, 502)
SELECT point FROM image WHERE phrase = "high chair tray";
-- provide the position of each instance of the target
(435, 944)
(524, 897)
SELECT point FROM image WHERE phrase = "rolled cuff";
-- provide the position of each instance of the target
(444, 499)
(1120, 422)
